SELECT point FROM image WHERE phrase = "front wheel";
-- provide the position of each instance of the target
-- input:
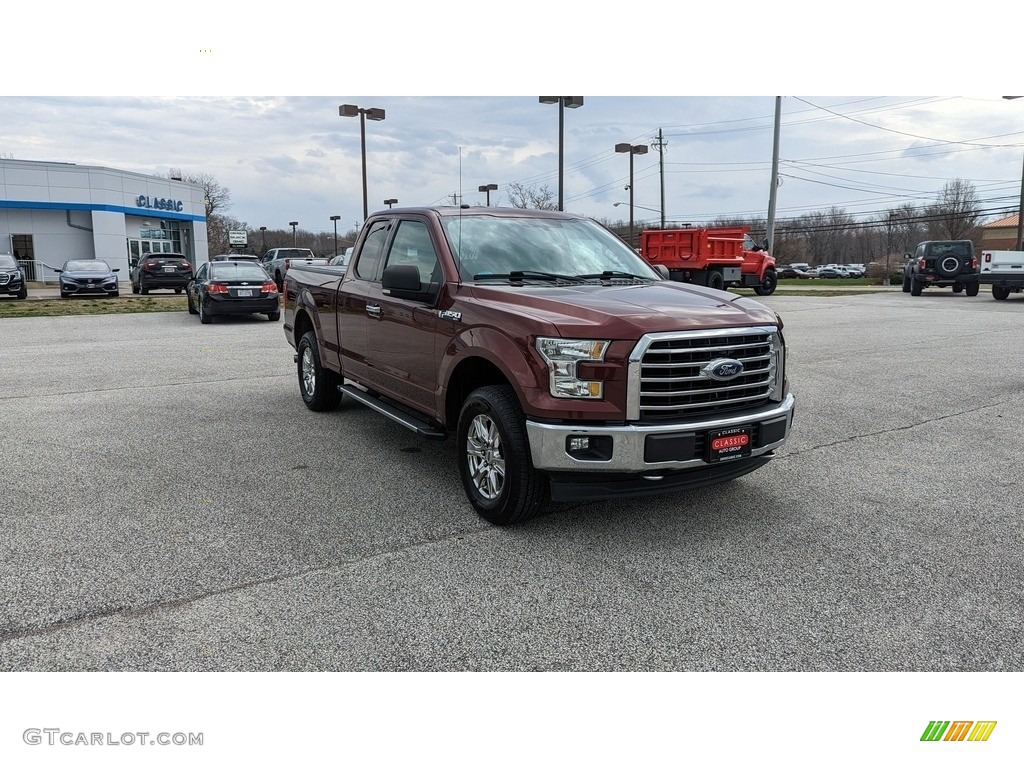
(318, 385)
(972, 289)
(494, 458)
(1000, 292)
(768, 284)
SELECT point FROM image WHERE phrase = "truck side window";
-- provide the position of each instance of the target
(412, 245)
(372, 251)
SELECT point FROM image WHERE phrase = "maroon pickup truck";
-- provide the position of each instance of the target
(566, 366)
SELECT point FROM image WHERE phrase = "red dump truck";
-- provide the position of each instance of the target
(716, 257)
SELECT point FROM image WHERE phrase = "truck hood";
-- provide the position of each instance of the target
(623, 311)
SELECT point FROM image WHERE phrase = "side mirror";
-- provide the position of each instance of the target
(662, 270)
(403, 282)
(116, 269)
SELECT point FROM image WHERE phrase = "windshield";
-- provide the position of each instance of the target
(90, 265)
(499, 245)
(7, 262)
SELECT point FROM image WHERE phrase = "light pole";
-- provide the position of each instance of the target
(487, 188)
(631, 149)
(335, 220)
(263, 235)
(351, 110)
(293, 225)
(1019, 245)
(888, 251)
(391, 201)
(572, 102)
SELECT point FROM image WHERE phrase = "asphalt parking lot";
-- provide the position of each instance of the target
(170, 504)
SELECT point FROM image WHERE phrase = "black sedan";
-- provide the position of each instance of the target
(12, 279)
(232, 288)
(161, 270)
(84, 276)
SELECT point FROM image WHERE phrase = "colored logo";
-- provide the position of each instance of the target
(722, 369)
(958, 730)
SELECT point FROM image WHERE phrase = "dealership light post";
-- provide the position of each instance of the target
(572, 102)
(487, 188)
(631, 149)
(263, 236)
(391, 201)
(351, 110)
(888, 251)
(335, 220)
(293, 225)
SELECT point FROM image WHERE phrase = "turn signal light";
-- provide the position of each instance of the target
(216, 288)
(269, 287)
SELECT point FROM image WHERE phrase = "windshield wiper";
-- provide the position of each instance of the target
(526, 274)
(610, 274)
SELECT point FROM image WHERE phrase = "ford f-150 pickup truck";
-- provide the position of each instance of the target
(564, 364)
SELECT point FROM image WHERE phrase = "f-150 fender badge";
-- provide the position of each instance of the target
(447, 314)
(722, 369)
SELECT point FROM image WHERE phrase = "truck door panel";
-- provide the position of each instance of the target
(354, 309)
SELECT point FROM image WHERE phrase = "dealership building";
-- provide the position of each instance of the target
(52, 212)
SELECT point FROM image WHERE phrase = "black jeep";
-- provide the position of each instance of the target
(943, 263)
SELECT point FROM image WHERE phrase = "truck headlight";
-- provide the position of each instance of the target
(561, 355)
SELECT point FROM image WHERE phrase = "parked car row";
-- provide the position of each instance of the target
(805, 271)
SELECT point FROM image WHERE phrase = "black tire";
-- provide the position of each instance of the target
(1000, 292)
(317, 385)
(115, 294)
(958, 287)
(177, 290)
(768, 284)
(906, 284)
(64, 295)
(135, 288)
(23, 293)
(915, 287)
(144, 290)
(972, 289)
(191, 307)
(716, 281)
(494, 458)
(279, 280)
(273, 316)
(204, 317)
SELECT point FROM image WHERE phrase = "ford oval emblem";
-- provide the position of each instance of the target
(722, 369)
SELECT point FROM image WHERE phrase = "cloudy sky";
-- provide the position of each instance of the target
(292, 157)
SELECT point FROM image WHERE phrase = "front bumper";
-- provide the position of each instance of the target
(84, 287)
(254, 306)
(652, 450)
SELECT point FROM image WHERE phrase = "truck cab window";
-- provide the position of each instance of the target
(412, 245)
(372, 251)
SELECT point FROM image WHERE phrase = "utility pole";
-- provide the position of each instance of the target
(660, 145)
(770, 234)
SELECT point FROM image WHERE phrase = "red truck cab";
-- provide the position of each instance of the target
(565, 366)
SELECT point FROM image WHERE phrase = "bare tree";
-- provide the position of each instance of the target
(955, 215)
(522, 196)
(215, 196)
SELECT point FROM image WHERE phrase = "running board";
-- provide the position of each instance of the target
(407, 420)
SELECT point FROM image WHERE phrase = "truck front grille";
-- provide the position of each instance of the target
(669, 379)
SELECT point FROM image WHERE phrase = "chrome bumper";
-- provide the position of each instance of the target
(548, 441)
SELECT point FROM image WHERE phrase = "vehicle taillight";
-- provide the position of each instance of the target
(216, 288)
(922, 264)
(974, 262)
(150, 265)
(270, 287)
(186, 264)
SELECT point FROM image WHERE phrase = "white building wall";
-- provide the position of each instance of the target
(110, 241)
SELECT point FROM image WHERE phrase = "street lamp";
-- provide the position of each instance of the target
(335, 220)
(391, 201)
(643, 207)
(293, 225)
(263, 235)
(1020, 208)
(572, 102)
(487, 188)
(631, 149)
(351, 110)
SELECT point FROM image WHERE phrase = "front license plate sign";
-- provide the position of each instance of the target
(725, 444)
(245, 291)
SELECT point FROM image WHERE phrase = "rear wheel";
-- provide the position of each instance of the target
(958, 287)
(318, 385)
(143, 290)
(204, 317)
(135, 288)
(906, 284)
(273, 316)
(1000, 292)
(915, 287)
(972, 289)
(716, 281)
(177, 290)
(494, 458)
(279, 280)
(768, 284)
